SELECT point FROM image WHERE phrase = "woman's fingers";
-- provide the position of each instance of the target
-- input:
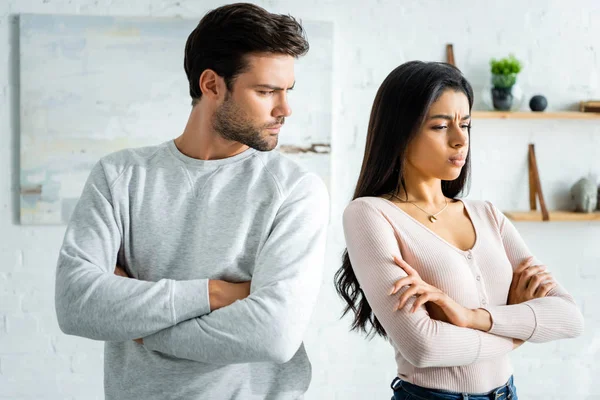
(406, 281)
(416, 286)
(537, 280)
(528, 273)
(411, 291)
(424, 298)
(524, 265)
(404, 265)
(514, 283)
(543, 289)
(424, 293)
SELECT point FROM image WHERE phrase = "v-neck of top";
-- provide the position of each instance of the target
(469, 214)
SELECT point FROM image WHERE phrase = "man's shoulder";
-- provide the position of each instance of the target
(132, 155)
(287, 173)
(115, 163)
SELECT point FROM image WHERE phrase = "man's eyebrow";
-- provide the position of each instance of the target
(273, 87)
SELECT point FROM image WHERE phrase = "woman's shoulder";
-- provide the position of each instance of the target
(368, 216)
(483, 205)
(370, 200)
(484, 209)
(368, 205)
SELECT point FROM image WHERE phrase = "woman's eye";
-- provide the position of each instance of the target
(466, 126)
(439, 128)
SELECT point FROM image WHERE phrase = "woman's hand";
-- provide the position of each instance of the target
(529, 282)
(441, 307)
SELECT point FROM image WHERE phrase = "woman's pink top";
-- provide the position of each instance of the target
(436, 354)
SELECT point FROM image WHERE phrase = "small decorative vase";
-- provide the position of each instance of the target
(502, 98)
(504, 93)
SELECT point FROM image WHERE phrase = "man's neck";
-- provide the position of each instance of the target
(200, 141)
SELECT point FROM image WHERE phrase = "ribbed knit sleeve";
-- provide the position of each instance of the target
(539, 320)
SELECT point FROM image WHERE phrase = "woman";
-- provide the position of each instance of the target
(449, 281)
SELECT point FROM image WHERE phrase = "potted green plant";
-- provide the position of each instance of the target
(504, 77)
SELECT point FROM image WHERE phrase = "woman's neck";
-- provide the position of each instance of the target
(425, 192)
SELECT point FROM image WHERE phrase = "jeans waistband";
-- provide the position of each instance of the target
(398, 383)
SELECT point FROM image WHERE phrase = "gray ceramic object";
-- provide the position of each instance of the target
(584, 195)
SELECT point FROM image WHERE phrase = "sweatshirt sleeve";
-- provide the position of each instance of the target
(268, 325)
(422, 341)
(553, 317)
(93, 302)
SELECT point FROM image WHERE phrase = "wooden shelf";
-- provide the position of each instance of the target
(534, 115)
(536, 216)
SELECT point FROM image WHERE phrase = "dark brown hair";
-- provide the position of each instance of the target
(227, 34)
(400, 107)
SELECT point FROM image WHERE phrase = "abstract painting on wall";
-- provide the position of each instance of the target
(91, 85)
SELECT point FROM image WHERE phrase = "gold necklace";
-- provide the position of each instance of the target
(432, 217)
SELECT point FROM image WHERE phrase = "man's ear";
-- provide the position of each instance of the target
(211, 84)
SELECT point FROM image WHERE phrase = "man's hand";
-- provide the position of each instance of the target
(529, 282)
(220, 293)
(120, 272)
(223, 293)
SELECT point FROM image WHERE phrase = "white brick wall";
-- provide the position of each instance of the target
(558, 42)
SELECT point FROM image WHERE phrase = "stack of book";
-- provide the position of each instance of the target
(590, 106)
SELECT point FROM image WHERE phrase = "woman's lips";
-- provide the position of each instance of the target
(458, 160)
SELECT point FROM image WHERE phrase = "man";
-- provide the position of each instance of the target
(221, 241)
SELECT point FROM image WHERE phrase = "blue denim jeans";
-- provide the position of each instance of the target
(407, 391)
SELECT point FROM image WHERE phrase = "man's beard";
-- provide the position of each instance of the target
(232, 123)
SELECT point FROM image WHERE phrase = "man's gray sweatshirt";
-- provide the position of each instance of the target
(174, 222)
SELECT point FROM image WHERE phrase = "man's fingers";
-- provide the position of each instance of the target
(120, 272)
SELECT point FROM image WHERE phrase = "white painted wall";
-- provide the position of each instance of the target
(558, 42)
